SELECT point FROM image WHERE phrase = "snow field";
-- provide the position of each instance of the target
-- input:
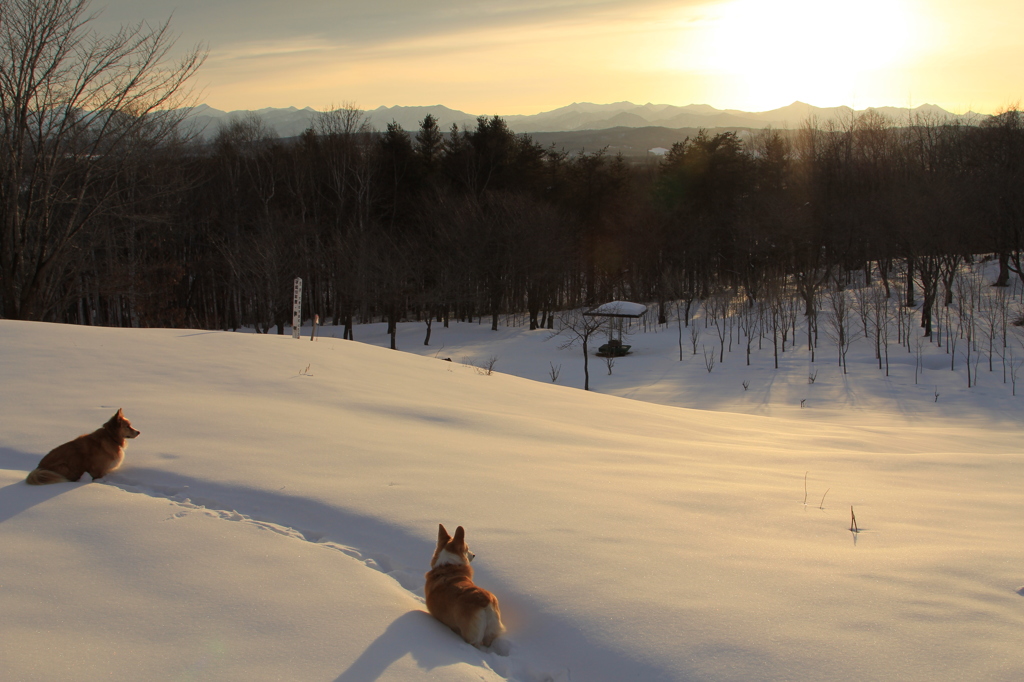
(625, 539)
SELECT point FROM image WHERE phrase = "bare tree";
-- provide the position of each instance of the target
(717, 306)
(881, 319)
(929, 269)
(709, 358)
(862, 296)
(679, 322)
(967, 288)
(751, 318)
(838, 315)
(918, 358)
(554, 371)
(809, 282)
(996, 318)
(577, 328)
(1015, 364)
(773, 308)
(76, 110)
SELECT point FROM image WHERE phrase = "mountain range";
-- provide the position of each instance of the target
(581, 122)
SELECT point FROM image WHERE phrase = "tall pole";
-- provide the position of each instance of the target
(297, 309)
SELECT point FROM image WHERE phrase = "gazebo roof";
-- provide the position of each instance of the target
(618, 309)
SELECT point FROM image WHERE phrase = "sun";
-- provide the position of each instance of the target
(762, 55)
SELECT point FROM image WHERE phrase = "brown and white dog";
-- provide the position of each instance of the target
(97, 453)
(453, 599)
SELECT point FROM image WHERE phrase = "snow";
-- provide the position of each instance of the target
(619, 309)
(276, 515)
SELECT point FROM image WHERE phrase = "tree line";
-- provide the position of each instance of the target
(112, 214)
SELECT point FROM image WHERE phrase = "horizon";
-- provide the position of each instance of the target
(591, 103)
(521, 58)
(645, 126)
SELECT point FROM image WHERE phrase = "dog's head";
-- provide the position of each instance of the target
(120, 426)
(451, 550)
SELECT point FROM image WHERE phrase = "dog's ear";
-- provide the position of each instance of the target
(442, 535)
(460, 535)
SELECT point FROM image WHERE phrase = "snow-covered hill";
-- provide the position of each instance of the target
(275, 517)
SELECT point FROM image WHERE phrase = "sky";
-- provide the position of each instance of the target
(528, 56)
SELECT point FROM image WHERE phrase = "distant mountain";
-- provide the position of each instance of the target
(586, 116)
(409, 117)
(286, 122)
(579, 116)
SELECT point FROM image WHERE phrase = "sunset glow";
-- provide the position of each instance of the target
(523, 57)
(768, 55)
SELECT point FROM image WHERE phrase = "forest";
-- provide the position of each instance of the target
(111, 213)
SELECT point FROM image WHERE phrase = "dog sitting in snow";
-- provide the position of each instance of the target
(453, 599)
(98, 453)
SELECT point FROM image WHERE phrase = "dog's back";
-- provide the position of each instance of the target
(97, 453)
(454, 599)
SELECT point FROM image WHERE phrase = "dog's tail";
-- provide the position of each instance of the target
(44, 476)
(489, 624)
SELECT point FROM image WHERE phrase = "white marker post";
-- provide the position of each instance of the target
(297, 309)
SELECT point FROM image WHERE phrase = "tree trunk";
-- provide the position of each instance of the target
(586, 366)
(1003, 279)
(910, 282)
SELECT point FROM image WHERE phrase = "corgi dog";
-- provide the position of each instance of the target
(98, 453)
(453, 599)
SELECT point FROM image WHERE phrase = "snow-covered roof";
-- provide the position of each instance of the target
(619, 309)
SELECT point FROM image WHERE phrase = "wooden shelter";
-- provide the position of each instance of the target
(616, 312)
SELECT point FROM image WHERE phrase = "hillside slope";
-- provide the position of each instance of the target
(276, 515)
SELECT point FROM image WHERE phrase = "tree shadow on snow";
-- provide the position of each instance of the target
(431, 644)
(18, 497)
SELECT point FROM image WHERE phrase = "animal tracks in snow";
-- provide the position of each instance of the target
(177, 497)
(501, 657)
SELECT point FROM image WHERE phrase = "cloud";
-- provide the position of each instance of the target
(357, 22)
(308, 47)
